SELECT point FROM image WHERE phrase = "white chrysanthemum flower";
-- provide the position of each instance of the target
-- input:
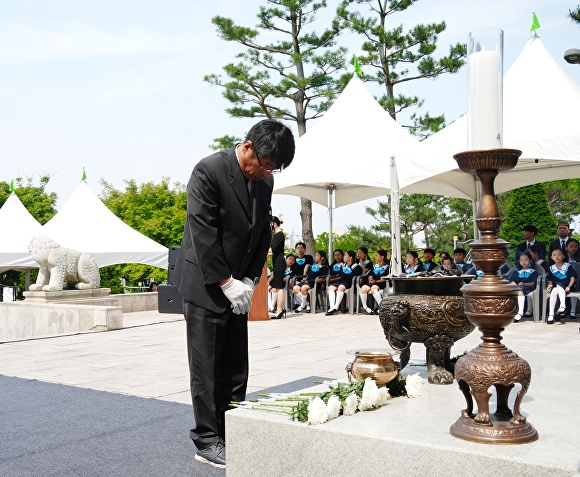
(350, 405)
(333, 407)
(370, 395)
(384, 396)
(317, 413)
(415, 385)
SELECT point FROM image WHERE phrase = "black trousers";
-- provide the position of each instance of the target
(217, 347)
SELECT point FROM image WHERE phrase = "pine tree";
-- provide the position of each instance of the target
(529, 205)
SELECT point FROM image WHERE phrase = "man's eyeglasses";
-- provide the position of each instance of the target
(266, 170)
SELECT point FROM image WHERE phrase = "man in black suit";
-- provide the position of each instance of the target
(561, 242)
(529, 232)
(225, 241)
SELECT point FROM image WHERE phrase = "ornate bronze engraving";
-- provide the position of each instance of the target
(435, 320)
(491, 304)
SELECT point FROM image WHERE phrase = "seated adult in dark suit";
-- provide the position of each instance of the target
(529, 232)
(561, 242)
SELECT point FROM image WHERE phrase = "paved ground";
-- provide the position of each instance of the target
(147, 359)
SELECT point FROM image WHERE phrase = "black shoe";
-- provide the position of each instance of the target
(213, 455)
(282, 314)
(550, 320)
(330, 312)
(572, 316)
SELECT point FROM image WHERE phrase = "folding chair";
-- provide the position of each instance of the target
(535, 296)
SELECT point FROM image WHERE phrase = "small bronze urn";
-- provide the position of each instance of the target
(491, 304)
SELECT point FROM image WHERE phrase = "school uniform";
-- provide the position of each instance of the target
(377, 272)
(525, 276)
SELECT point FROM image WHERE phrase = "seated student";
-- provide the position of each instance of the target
(448, 268)
(572, 250)
(289, 272)
(525, 277)
(317, 272)
(337, 288)
(560, 278)
(375, 281)
(535, 251)
(573, 258)
(459, 256)
(303, 261)
(363, 259)
(338, 258)
(428, 263)
(442, 255)
(413, 264)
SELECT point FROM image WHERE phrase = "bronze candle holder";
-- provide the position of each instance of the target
(491, 304)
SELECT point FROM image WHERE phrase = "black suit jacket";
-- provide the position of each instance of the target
(225, 233)
(554, 244)
(522, 248)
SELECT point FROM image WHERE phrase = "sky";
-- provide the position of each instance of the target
(116, 86)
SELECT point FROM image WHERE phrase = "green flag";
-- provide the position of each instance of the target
(357, 69)
(535, 22)
(84, 176)
(12, 185)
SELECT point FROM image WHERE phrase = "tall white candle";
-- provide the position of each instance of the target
(485, 91)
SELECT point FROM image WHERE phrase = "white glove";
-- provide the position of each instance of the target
(249, 283)
(238, 294)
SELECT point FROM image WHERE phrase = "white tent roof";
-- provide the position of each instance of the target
(541, 104)
(86, 224)
(19, 228)
(349, 148)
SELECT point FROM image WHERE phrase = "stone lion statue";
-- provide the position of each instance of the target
(62, 267)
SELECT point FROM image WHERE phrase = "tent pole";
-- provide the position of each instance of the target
(331, 189)
(396, 268)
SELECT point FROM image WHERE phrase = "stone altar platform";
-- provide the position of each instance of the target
(69, 311)
(410, 437)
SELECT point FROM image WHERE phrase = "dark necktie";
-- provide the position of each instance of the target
(563, 245)
(528, 245)
(251, 196)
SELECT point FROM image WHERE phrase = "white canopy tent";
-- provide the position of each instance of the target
(345, 157)
(19, 228)
(86, 224)
(541, 105)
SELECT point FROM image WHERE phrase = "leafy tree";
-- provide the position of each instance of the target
(428, 215)
(158, 212)
(575, 14)
(41, 206)
(291, 66)
(37, 201)
(155, 210)
(528, 205)
(353, 239)
(390, 52)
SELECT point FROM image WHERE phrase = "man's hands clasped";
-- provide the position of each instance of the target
(239, 292)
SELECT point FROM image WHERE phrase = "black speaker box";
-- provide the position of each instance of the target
(169, 300)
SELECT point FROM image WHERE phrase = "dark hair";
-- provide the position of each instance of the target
(290, 255)
(364, 250)
(527, 254)
(415, 255)
(572, 240)
(322, 253)
(447, 257)
(563, 223)
(299, 243)
(429, 250)
(351, 253)
(537, 248)
(151, 285)
(276, 220)
(274, 141)
(460, 250)
(383, 253)
(530, 228)
(338, 250)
